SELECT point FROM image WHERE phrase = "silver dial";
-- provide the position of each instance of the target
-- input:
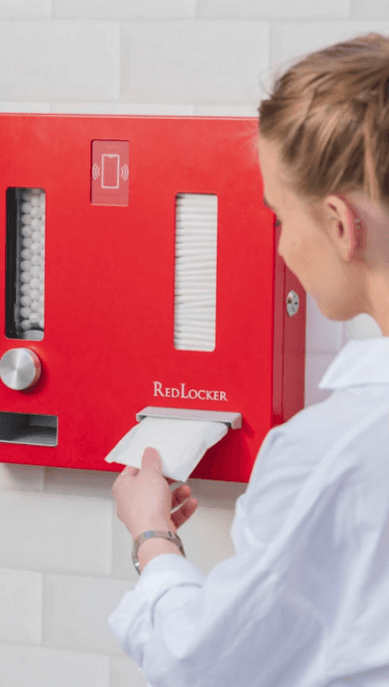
(20, 368)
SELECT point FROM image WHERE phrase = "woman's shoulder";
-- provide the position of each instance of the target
(337, 447)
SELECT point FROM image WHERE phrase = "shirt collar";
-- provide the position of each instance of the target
(361, 361)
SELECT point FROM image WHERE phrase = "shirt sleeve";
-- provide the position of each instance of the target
(247, 622)
(243, 624)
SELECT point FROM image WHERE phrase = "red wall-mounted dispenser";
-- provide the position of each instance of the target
(140, 269)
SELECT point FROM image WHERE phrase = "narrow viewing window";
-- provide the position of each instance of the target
(25, 263)
(195, 272)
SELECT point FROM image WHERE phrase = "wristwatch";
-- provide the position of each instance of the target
(149, 535)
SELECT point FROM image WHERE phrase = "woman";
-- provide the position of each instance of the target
(304, 601)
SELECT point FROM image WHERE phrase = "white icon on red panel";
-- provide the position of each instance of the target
(125, 172)
(110, 172)
(110, 177)
(96, 171)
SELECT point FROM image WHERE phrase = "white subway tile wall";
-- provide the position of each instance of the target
(22, 106)
(25, 9)
(278, 9)
(27, 666)
(78, 482)
(124, 672)
(118, 108)
(41, 531)
(76, 610)
(124, 9)
(218, 63)
(21, 477)
(65, 558)
(376, 9)
(60, 60)
(21, 606)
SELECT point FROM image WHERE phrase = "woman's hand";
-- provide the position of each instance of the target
(144, 500)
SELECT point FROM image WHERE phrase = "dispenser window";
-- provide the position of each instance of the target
(25, 263)
(195, 272)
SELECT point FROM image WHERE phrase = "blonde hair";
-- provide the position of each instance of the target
(329, 115)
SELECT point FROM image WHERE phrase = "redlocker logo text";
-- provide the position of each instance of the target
(202, 394)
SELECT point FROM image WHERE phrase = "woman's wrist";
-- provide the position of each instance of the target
(156, 546)
(160, 524)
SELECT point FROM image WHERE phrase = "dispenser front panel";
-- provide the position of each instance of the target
(139, 269)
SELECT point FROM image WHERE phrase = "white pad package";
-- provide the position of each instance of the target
(180, 443)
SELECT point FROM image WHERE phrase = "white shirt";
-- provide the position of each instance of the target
(304, 602)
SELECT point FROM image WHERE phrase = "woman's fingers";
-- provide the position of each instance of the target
(184, 513)
(185, 505)
(180, 494)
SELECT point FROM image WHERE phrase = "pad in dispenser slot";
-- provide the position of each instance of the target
(25, 260)
(195, 272)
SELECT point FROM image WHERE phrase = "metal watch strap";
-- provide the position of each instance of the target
(170, 536)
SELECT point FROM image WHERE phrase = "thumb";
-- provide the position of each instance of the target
(151, 459)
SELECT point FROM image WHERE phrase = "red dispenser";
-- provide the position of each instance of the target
(92, 323)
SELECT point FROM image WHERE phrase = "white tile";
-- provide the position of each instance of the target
(369, 9)
(124, 9)
(216, 494)
(194, 62)
(206, 537)
(315, 367)
(227, 110)
(122, 565)
(118, 108)
(59, 60)
(76, 612)
(291, 41)
(280, 9)
(22, 666)
(24, 107)
(125, 673)
(55, 533)
(21, 606)
(322, 335)
(361, 327)
(21, 477)
(79, 482)
(25, 9)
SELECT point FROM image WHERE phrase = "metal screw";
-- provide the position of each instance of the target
(292, 303)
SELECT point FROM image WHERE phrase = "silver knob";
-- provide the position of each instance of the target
(20, 368)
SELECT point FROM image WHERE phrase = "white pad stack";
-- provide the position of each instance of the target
(180, 443)
(195, 272)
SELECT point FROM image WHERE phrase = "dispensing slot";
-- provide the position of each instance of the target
(26, 428)
(25, 263)
(233, 420)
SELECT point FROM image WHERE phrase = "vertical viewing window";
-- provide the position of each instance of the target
(195, 272)
(25, 263)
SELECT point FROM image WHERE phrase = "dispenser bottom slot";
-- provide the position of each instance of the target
(26, 428)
